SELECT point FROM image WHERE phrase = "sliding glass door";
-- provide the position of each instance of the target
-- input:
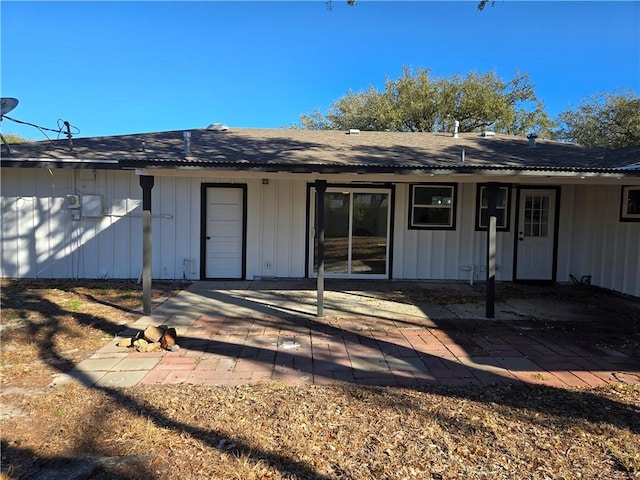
(356, 233)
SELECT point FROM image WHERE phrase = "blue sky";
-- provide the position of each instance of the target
(126, 67)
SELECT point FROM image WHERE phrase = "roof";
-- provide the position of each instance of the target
(333, 151)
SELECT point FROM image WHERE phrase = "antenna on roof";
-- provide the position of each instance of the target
(6, 105)
(69, 135)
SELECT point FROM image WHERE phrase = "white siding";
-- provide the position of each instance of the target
(594, 242)
(447, 255)
(279, 209)
(43, 238)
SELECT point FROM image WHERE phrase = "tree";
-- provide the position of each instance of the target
(481, 3)
(417, 102)
(13, 138)
(610, 120)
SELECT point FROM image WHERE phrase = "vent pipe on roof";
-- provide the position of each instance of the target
(462, 156)
(532, 140)
(218, 127)
(187, 142)
(456, 127)
(353, 131)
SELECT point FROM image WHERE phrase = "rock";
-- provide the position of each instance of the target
(169, 338)
(175, 348)
(125, 342)
(153, 334)
(144, 346)
(152, 347)
(140, 343)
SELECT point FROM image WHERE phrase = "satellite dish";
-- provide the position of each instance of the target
(8, 104)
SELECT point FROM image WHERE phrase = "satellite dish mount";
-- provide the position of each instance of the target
(6, 105)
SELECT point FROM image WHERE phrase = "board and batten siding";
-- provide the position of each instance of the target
(43, 238)
(593, 242)
(281, 213)
(448, 254)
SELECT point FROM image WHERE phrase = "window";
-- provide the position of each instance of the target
(503, 207)
(432, 207)
(630, 204)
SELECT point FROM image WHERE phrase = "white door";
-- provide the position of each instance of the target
(536, 234)
(224, 236)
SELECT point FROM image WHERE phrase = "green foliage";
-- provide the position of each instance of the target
(609, 120)
(483, 3)
(417, 102)
(13, 138)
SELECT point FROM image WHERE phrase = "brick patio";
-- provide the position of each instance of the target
(273, 336)
(382, 348)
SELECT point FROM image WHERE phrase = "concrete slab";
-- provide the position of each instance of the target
(518, 364)
(137, 363)
(406, 364)
(369, 364)
(486, 364)
(98, 364)
(86, 378)
(121, 379)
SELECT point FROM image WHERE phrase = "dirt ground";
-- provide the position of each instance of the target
(273, 431)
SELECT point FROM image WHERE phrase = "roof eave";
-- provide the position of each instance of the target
(60, 163)
(576, 172)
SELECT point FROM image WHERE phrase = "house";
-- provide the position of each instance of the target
(241, 204)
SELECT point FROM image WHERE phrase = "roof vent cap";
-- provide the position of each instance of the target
(187, 142)
(353, 131)
(218, 127)
(456, 128)
(488, 133)
(532, 139)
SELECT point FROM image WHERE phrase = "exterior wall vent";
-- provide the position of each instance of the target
(73, 201)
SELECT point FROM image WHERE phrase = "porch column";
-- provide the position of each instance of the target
(321, 188)
(492, 199)
(146, 182)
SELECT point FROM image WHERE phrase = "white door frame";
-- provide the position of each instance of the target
(549, 274)
(204, 215)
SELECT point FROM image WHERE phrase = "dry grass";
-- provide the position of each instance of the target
(48, 326)
(271, 432)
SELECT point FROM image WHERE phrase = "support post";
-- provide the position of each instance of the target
(321, 188)
(146, 182)
(492, 200)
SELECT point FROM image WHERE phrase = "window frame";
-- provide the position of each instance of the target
(453, 207)
(507, 210)
(624, 200)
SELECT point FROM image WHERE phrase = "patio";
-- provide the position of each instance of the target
(378, 333)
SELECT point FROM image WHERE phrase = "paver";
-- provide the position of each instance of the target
(251, 341)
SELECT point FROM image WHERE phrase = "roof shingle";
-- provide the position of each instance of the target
(320, 150)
